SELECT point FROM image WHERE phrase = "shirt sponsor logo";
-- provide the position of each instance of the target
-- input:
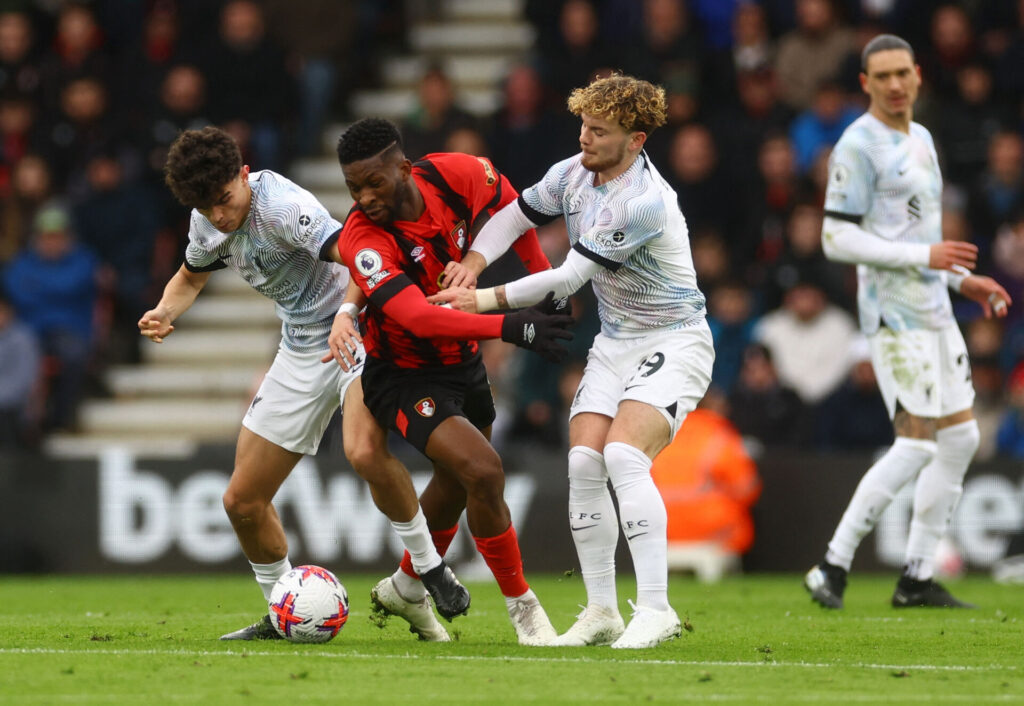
(368, 262)
(376, 279)
(426, 407)
(618, 236)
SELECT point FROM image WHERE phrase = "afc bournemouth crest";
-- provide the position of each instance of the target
(458, 234)
(426, 407)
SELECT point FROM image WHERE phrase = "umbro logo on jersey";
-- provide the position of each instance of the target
(417, 253)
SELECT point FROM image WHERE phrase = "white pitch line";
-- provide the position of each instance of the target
(514, 658)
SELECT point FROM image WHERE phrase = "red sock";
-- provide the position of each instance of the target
(442, 540)
(504, 560)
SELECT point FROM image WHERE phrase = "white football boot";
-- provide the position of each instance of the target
(596, 625)
(422, 622)
(530, 621)
(648, 628)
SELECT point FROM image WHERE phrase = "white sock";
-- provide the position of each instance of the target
(416, 537)
(900, 464)
(268, 574)
(643, 519)
(408, 588)
(509, 600)
(936, 494)
(593, 524)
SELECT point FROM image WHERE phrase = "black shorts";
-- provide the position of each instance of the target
(414, 401)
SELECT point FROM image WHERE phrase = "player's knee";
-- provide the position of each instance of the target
(961, 440)
(366, 457)
(915, 454)
(483, 477)
(586, 468)
(242, 508)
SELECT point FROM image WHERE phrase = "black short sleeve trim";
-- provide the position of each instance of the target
(393, 286)
(848, 217)
(212, 267)
(325, 249)
(602, 261)
(533, 214)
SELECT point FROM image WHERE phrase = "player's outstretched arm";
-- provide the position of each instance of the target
(179, 294)
(993, 298)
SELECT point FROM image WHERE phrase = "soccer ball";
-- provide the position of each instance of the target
(308, 604)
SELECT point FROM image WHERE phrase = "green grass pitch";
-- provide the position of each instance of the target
(750, 639)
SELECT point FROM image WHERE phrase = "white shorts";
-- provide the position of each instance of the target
(927, 372)
(297, 399)
(670, 371)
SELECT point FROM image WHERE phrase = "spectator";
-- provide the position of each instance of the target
(17, 119)
(1011, 429)
(761, 406)
(118, 220)
(182, 106)
(667, 50)
(854, 416)
(998, 192)
(984, 339)
(741, 129)
(250, 91)
(53, 288)
(966, 123)
(19, 372)
(803, 259)
(435, 116)
(526, 131)
(694, 174)
(803, 336)
(1008, 259)
(20, 70)
(30, 188)
(578, 52)
(78, 53)
(153, 53)
(467, 140)
(732, 320)
(812, 53)
(83, 125)
(320, 39)
(952, 47)
(820, 126)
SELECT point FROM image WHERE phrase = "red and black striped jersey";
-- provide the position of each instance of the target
(405, 260)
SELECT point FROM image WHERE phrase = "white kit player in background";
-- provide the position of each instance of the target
(883, 212)
(651, 362)
(273, 234)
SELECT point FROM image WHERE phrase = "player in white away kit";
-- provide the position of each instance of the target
(273, 234)
(883, 212)
(651, 362)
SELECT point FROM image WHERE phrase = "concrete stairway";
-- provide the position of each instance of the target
(196, 385)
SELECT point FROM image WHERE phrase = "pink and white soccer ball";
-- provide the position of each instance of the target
(308, 604)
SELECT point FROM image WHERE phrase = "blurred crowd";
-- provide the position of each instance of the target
(92, 94)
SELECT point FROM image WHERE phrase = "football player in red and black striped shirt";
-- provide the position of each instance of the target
(423, 375)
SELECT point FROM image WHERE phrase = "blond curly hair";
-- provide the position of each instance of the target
(636, 104)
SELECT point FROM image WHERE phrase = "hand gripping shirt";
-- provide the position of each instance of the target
(633, 227)
(890, 184)
(277, 252)
(458, 190)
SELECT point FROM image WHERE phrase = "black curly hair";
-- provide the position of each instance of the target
(366, 138)
(199, 164)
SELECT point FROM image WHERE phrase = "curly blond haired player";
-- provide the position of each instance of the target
(651, 362)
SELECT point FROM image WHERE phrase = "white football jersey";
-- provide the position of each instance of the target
(277, 252)
(890, 181)
(633, 226)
